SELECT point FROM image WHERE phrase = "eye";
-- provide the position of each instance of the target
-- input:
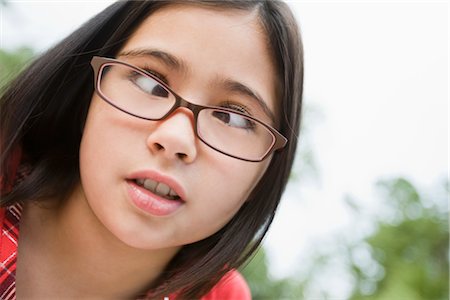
(149, 85)
(234, 120)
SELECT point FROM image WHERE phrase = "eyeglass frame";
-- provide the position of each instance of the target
(98, 63)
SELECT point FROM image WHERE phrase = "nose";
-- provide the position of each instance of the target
(174, 137)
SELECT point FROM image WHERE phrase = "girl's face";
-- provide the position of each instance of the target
(198, 52)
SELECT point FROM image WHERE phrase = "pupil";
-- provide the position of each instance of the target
(160, 91)
(225, 117)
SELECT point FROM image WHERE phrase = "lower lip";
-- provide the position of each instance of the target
(150, 202)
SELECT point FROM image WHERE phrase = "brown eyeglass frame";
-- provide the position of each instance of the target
(98, 63)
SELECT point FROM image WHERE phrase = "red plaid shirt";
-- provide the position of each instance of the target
(231, 287)
(9, 218)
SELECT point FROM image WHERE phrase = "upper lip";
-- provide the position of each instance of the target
(156, 176)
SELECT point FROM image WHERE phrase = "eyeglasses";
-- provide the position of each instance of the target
(143, 95)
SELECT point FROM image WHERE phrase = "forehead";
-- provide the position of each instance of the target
(213, 43)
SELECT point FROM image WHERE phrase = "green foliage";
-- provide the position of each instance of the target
(256, 272)
(12, 62)
(406, 255)
(409, 248)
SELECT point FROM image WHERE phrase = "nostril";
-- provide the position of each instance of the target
(158, 146)
(181, 156)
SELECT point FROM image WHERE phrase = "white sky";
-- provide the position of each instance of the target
(377, 70)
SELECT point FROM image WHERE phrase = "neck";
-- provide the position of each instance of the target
(65, 252)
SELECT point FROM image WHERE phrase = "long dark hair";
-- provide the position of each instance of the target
(44, 109)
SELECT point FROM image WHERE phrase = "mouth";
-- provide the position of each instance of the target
(155, 194)
(158, 188)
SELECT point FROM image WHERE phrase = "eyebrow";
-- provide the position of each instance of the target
(179, 65)
(235, 86)
(166, 58)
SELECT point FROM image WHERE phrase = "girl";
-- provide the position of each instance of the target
(145, 154)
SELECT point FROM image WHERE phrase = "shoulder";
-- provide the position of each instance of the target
(231, 286)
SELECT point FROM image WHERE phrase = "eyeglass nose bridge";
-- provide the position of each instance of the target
(181, 102)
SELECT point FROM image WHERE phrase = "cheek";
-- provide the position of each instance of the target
(102, 142)
(230, 182)
(106, 137)
(241, 175)
(95, 148)
(226, 188)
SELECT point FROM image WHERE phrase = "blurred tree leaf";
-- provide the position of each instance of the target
(412, 252)
(404, 255)
(12, 62)
(263, 286)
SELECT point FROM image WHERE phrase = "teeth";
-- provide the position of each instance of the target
(150, 184)
(158, 188)
(162, 189)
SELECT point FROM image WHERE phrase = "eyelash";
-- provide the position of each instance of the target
(161, 77)
(237, 106)
(227, 104)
